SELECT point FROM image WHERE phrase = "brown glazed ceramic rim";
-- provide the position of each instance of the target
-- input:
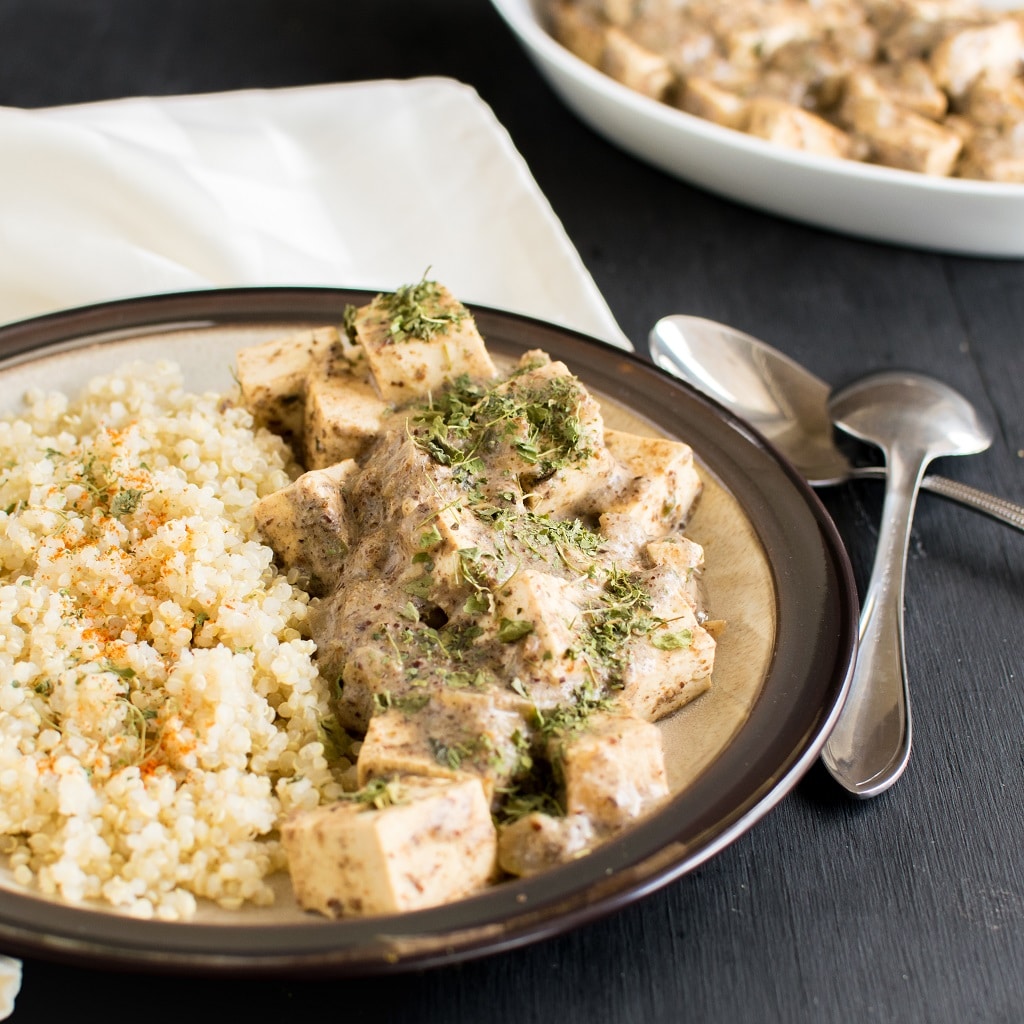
(779, 740)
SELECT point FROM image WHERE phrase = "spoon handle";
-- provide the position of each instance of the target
(1008, 512)
(870, 744)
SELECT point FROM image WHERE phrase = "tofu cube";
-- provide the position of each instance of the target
(682, 555)
(435, 843)
(618, 12)
(578, 30)
(306, 523)
(656, 482)
(400, 489)
(446, 733)
(555, 447)
(366, 672)
(574, 490)
(792, 126)
(418, 338)
(351, 624)
(343, 411)
(964, 56)
(423, 508)
(993, 104)
(679, 552)
(994, 159)
(613, 769)
(704, 98)
(456, 550)
(811, 72)
(623, 538)
(911, 29)
(909, 85)
(898, 137)
(400, 474)
(636, 67)
(272, 378)
(753, 42)
(398, 742)
(537, 842)
(671, 665)
(543, 659)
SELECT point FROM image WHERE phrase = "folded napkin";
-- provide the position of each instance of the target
(353, 185)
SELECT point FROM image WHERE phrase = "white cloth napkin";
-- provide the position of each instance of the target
(353, 185)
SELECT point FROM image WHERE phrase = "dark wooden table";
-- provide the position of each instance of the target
(909, 907)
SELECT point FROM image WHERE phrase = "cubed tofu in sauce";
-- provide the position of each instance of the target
(410, 843)
(504, 602)
(883, 81)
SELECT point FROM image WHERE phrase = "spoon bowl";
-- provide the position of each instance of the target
(913, 419)
(772, 392)
(912, 408)
(786, 403)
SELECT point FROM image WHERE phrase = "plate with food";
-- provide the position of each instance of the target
(356, 632)
(898, 121)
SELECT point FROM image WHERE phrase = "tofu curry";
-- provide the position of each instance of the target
(505, 601)
(933, 86)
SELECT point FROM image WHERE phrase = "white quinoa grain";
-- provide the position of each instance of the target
(160, 703)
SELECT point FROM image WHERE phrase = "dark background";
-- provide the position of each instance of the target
(909, 907)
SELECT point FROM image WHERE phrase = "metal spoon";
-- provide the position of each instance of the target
(913, 419)
(785, 402)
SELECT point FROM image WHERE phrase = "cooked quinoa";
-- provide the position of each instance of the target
(160, 708)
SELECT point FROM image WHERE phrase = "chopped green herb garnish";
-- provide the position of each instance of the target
(430, 538)
(518, 805)
(378, 794)
(538, 419)
(665, 641)
(478, 603)
(409, 704)
(421, 586)
(336, 741)
(348, 321)
(451, 755)
(471, 571)
(125, 502)
(517, 686)
(511, 630)
(414, 311)
(125, 671)
(567, 718)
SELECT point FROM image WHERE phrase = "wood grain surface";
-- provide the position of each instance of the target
(909, 907)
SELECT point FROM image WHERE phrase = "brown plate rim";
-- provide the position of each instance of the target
(783, 735)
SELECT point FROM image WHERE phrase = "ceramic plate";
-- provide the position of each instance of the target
(776, 571)
(949, 214)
